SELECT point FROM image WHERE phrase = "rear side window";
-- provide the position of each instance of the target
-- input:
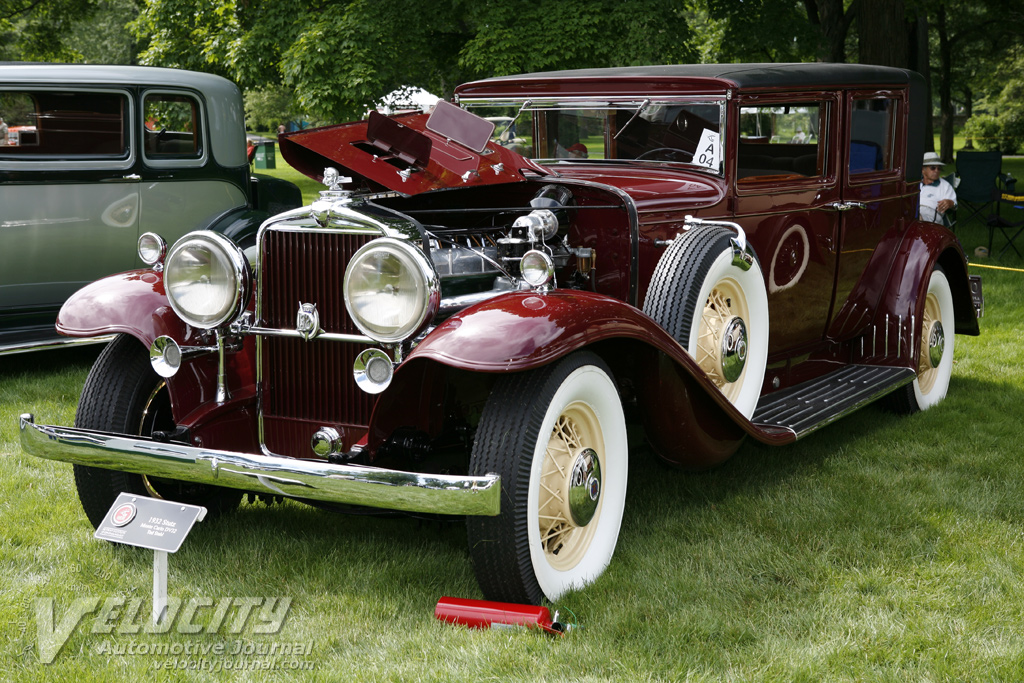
(780, 142)
(171, 126)
(64, 125)
(872, 128)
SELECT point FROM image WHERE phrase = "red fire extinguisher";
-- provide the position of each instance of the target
(487, 614)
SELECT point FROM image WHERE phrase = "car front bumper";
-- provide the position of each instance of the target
(309, 479)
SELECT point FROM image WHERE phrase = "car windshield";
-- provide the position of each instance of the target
(674, 131)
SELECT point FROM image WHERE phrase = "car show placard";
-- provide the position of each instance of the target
(148, 522)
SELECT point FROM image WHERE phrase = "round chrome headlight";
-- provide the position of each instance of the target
(391, 290)
(537, 268)
(207, 279)
(152, 248)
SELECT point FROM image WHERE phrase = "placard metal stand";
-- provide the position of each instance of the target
(160, 525)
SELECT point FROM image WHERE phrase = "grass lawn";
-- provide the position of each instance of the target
(880, 548)
(309, 187)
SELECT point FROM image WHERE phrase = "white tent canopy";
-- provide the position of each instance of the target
(405, 99)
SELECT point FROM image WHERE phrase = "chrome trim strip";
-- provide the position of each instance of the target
(621, 101)
(350, 484)
(323, 336)
(63, 343)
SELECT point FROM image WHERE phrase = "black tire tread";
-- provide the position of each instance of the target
(504, 444)
(671, 299)
(112, 400)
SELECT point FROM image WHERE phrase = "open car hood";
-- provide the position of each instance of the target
(407, 154)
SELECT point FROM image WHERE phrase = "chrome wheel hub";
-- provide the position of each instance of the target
(584, 486)
(734, 349)
(936, 343)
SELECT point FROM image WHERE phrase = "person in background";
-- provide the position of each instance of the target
(937, 196)
(577, 151)
(3, 131)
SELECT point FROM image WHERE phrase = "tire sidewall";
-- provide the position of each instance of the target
(751, 283)
(588, 384)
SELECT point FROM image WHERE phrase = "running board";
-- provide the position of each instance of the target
(810, 406)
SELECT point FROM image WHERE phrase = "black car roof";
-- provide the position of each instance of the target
(789, 75)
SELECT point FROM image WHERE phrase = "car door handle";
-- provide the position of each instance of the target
(846, 206)
(130, 178)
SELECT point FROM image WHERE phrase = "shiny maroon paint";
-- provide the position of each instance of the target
(861, 265)
(135, 303)
(524, 330)
(311, 151)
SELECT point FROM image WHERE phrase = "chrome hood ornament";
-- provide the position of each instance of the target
(321, 208)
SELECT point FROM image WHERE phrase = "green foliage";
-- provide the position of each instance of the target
(1001, 128)
(103, 37)
(187, 34)
(267, 108)
(340, 57)
(994, 133)
(544, 35)
(757, 31)
(31, 30)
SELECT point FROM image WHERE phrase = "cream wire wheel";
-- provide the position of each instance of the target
(557, 438)
(721, 344)
(934, 362)
(932, 347)
(569, 490)
(716, 310)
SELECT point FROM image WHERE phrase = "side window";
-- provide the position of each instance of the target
(872, 127)
(63, 125)
(171, 126)
(780, 141)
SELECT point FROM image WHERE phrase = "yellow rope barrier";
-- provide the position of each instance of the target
(978, 265)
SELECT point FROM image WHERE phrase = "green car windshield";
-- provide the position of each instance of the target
(672, 131)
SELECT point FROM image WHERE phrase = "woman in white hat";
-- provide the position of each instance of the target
(937, 196)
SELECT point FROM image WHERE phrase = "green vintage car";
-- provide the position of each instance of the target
(97, 156)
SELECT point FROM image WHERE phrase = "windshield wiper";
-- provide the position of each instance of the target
(511, 123)
(639, 110)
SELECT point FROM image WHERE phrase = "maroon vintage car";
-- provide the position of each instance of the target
(462, 325)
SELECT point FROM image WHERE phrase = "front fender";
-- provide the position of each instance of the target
(689, 421)
(524, 330)
(132, 303)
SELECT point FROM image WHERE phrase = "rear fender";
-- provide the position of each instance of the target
(900, 309)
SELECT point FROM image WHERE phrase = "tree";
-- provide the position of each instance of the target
(267, 108)
(961, 25)
(833, 22)
(38, 30)
(339, 57)
(103, 36)
(882, 33)
(758, 30)
(1001, 126)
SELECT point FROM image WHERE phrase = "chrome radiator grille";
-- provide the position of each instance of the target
(307, 385)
